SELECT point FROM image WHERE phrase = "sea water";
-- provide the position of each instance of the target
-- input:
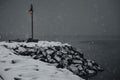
(107, 54)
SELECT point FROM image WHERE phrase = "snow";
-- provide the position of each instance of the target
(32, 44)
(15, 67)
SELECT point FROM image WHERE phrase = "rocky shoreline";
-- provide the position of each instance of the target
(58, 54)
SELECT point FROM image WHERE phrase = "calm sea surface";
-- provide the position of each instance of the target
(107, 54)
(103, 50)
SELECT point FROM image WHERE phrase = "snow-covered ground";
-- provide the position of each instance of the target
(16, 67)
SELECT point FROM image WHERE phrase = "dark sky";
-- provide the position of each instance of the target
(60, 17)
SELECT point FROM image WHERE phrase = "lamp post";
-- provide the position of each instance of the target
(31, 13)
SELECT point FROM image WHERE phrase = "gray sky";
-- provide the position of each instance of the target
(60, 17)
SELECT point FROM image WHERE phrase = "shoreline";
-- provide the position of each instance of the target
(62, 56)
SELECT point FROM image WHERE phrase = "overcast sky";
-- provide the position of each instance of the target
(60, 17)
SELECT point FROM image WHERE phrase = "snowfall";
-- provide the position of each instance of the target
(14, 66)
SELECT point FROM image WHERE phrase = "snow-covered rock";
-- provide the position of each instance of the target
(60, 55)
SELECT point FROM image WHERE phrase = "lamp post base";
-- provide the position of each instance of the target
(32, 40)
